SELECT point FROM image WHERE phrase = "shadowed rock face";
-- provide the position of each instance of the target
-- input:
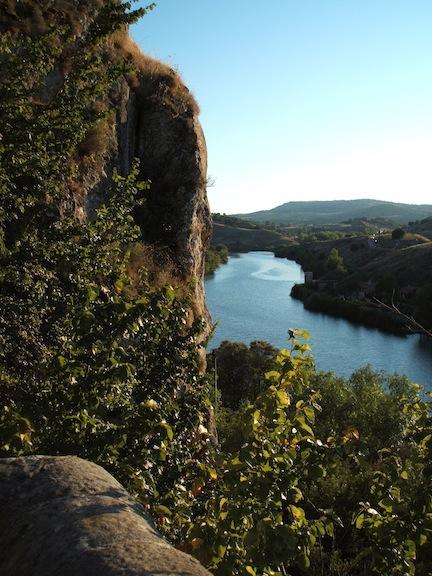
(63, 516)
(168, 140)
(173, 156)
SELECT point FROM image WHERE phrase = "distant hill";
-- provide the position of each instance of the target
(335, 211)
(245, 239)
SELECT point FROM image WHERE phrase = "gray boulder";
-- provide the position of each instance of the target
(64, 516)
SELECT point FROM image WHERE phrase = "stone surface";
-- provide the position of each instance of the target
(157, 122)
(170, 144)
(64, 516)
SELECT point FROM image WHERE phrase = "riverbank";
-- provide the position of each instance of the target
(249, 299)
(346, 277)
(215, 257)
(366, 314)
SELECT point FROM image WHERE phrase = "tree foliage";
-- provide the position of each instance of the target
(215, 257)
(359, 477)
(240, 370)
(335, 261)
(398, 233)
(90, 364)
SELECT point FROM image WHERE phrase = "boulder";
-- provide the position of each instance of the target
(64, 516)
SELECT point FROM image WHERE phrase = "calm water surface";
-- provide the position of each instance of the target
(250, 299)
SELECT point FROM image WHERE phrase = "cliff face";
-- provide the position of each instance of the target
(163, 131)
(157, 122)
(154, 119)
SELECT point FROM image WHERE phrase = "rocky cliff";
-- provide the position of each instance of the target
(66, 516)
(157, 122)
(153, 118)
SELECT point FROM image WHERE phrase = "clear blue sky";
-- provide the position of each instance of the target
(305, 99)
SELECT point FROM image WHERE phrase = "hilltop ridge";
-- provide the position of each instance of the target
(335, 211)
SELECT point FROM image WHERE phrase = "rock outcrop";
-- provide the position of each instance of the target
(63, 516)
(155, 120)
(157, 123)
(168, 139)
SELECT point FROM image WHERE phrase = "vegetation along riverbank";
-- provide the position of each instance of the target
(380, 280)
(361, 270)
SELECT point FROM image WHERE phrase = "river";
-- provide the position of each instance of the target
(250, 299)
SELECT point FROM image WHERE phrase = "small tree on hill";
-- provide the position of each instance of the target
(398, 233)
(335, 261)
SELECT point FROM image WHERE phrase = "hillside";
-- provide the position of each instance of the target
(246, 239)
(423, 227)
(350, 274)
(335, 211)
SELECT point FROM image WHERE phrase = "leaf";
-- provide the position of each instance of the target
(152, 404)
(359, 521)
(221, 549)
(273, 375)
(236, 464)
(168, 430)
(250, 570)
(170, 293)
(162, 510)
(303, 561)
(309, 413)
(410, 549)
(387, 504)
(283, 398)
(92, 293)
(301, 334)
(305, 426)
(256, 419)
(316, 471)
(212, 473)
(298, 513)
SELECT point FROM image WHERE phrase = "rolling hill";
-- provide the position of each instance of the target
(245, 239)
(335, 211)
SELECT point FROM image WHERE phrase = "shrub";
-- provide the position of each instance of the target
(335, 261)
(92, 363)
(398, 233)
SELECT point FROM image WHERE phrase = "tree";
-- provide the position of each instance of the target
(335, 261)
(398, 233)
(241, 369)
(214, 257)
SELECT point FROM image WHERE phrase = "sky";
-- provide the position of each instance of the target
(304, 99)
